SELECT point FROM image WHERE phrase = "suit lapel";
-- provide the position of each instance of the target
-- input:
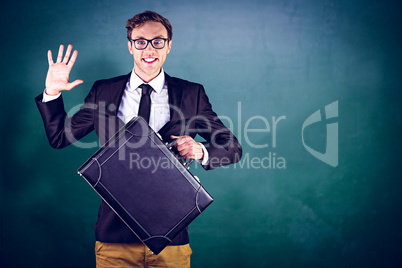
(116, 93)
(175, 93)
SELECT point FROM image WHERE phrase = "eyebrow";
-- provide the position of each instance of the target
(141, 37)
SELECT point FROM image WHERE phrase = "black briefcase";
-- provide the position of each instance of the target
(145, 184)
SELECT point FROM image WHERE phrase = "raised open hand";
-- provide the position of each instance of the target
(57, 78)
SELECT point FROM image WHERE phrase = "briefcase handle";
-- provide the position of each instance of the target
(186, 164)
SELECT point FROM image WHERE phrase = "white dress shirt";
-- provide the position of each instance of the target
(130, 102)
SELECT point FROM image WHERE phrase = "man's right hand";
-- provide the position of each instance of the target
(57, 78)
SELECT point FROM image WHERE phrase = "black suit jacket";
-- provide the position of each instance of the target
(190, 114)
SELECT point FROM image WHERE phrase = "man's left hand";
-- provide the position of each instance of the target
(188, 147)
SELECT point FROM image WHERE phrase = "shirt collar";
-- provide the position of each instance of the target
(157, 83)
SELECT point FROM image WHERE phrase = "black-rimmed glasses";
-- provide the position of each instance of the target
(157, 43)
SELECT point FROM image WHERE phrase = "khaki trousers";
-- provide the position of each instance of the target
(138, 255)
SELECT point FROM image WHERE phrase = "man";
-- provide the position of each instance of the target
(179, 110)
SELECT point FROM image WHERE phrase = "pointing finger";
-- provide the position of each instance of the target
(180, 139)
(174, 138)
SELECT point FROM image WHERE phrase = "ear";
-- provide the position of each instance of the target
(130, 47)
(170, 46)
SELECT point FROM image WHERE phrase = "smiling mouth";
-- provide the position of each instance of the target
(149, 60)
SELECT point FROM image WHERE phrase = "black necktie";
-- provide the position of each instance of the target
(145, 104)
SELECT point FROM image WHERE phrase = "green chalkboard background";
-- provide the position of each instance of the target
(311, 88)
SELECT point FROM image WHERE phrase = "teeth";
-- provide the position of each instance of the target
(149, 59)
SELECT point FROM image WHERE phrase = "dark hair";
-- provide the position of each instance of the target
(145, 16)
